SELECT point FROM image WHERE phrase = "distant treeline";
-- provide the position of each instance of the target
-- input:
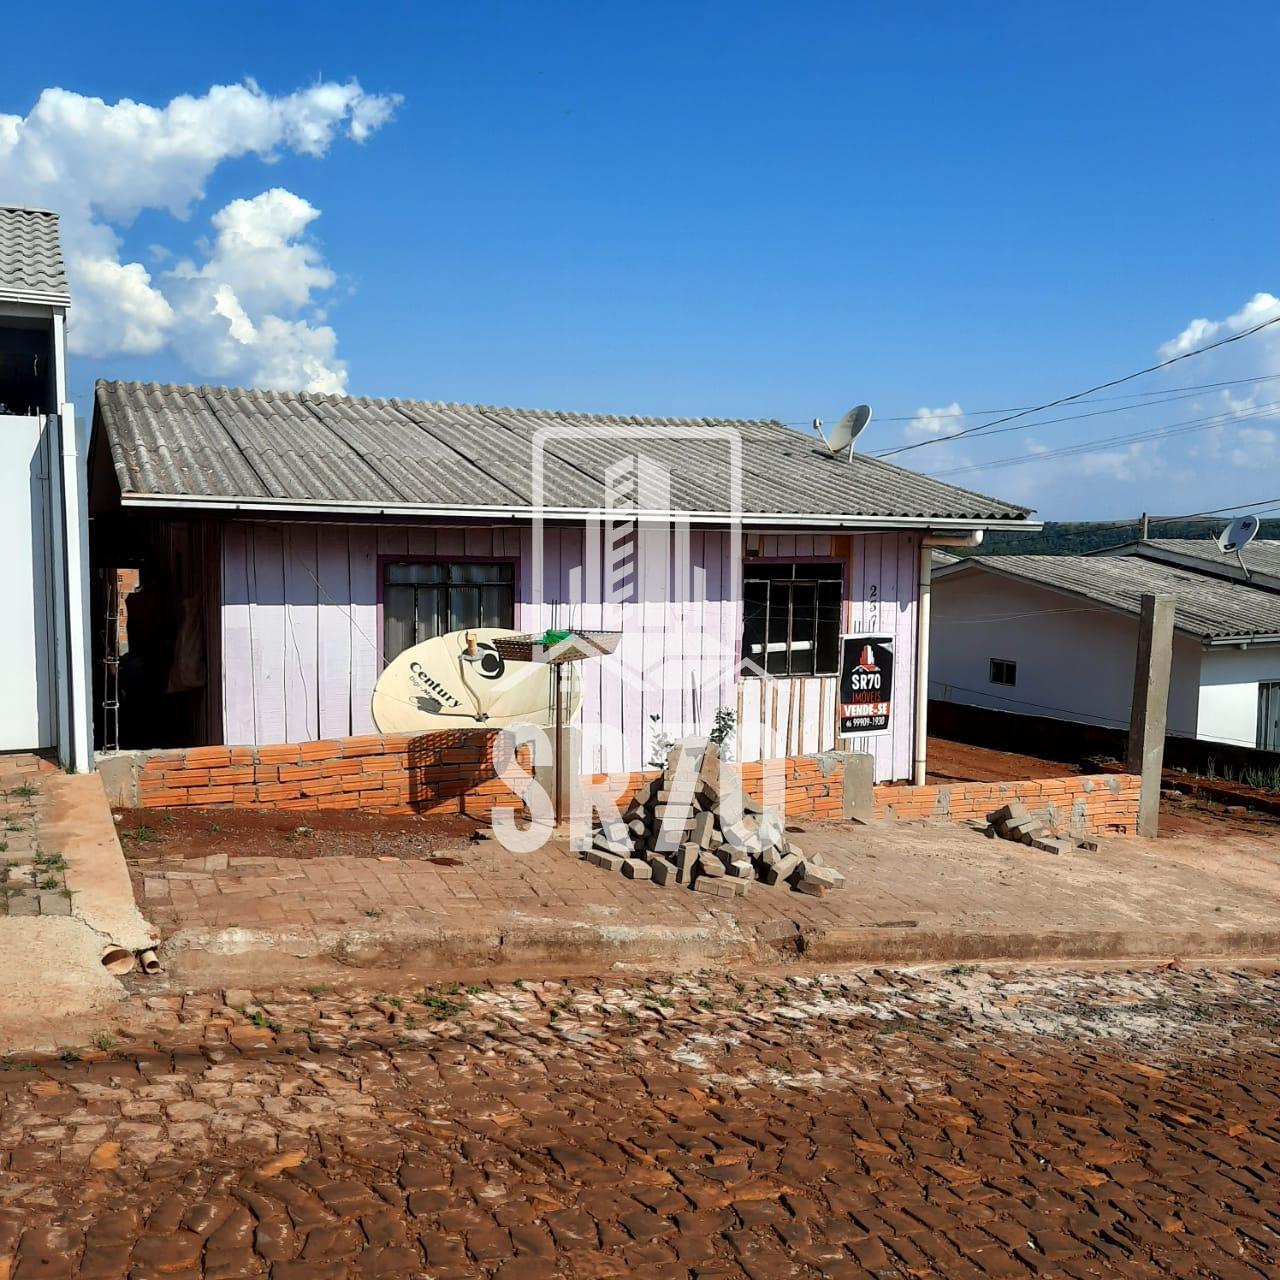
(1075, 537)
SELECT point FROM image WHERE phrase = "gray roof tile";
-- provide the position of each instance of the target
(31, 265)
(1208, 607)
(1261, 557)
(270, 447)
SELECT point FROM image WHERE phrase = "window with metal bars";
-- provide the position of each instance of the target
(427, 598)
(791, 619)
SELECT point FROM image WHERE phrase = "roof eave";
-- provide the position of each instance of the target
(1249, 639)
(972, 562)
(199, 502)
(35, 297)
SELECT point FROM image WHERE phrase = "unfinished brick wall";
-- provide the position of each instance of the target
(403, 773)
(1088, 804)
(455, 773)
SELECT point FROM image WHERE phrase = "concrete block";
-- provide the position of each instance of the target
(663, 872)
(703, 827)
(823, 875)
(783, 869)
(814, 888)
(637, 869)
(666, 811)
(740, 869)
(1017, 828)
(1089, 846)
(606, 861)
(717, 888)
(771, 829)
(1014, 811)
(1051, 844)
(709, 865)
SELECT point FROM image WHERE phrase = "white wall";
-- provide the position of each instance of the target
(1229, 692)
(27, 712)
(1075, 660)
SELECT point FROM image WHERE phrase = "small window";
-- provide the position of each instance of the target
(1003, 671)
(424, 599)
(791, 619)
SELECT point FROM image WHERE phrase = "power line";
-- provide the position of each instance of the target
(1128, 395)
(1080, 395)
(1214, 511)
(1186, 427)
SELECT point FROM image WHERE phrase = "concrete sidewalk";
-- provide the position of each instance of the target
(65, 898)
(915, 892)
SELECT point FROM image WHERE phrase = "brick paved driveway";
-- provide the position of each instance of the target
(914, 892)
(957, 1124)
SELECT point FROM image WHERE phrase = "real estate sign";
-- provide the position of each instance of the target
(866, 685)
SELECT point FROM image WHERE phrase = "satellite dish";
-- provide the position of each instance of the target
(847, 430)
(1238, 534)
(461, 681)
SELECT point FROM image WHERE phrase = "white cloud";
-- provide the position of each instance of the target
(1262, 306)
(235, 313)
(935, 422)
(100, 165)
(1256, 447)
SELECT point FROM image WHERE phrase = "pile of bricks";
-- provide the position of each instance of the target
(695, 825)
(1014, 821)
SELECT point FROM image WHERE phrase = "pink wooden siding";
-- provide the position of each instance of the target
(301, 634)
(793, 717)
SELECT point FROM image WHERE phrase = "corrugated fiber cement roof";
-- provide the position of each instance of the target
(1208, 607)
(268, 448)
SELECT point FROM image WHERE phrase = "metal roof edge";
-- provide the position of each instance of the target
(270, 505)
(36, 297)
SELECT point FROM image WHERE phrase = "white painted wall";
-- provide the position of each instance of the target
(1075, 660)
(27, 709)
(1229, 681)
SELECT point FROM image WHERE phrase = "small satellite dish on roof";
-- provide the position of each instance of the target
(1238, 534)
(847, 430)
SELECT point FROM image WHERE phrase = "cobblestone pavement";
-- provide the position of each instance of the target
(32, 878)
(952, 1123)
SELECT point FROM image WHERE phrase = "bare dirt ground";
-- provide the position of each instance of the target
(963, 1123)
(960, 762)
(148, 834)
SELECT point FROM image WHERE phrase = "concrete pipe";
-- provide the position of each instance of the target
(117, 960)
(150, 962)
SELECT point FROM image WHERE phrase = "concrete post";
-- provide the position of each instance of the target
(1151, 705)
(858, 787)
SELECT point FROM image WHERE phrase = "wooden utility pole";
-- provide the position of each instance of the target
(1151, 705)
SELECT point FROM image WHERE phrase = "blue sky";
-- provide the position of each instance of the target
(719, 209)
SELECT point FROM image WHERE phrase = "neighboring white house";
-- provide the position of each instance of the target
(1056, 636)
(44, 651)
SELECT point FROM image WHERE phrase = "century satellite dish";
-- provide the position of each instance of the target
(461, 681)
(847, 430)
(1238, 534)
